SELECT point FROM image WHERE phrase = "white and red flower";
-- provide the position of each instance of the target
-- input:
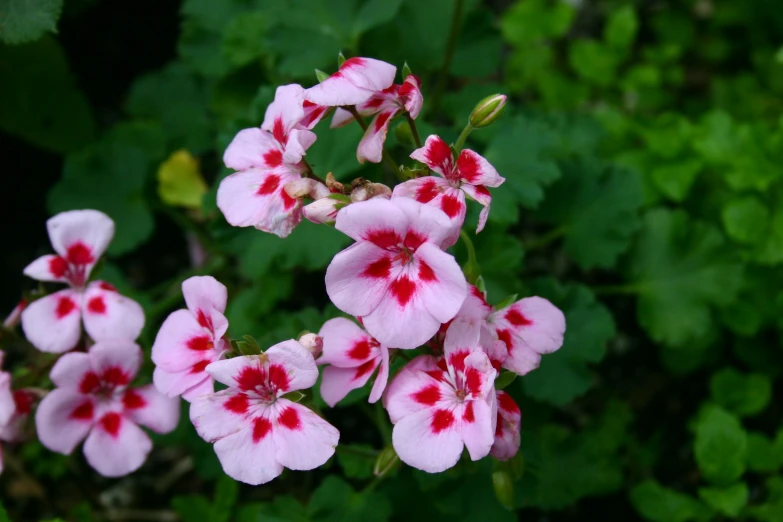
(440, 406)
(508, 426)
(256, 431)
(53, 323)
(396, 277)
(384, 105)
(93, 401)
(471, 174)
(190, 339)
(355, 81)
(352, 355)
(267, 158)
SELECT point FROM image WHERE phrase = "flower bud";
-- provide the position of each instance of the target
(323, 211)
(504, 488)
(13, 318)
(385, 461)
(488, 110)
(313, 343)
(370, 190)
(306, 187)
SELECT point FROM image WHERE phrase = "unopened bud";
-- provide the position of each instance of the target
(370, 190)
(323, 211)
(320, 75)
(313, 343)
(13, 318)
(488, 110)
(385, 462)
(306, 187)
(504, 488)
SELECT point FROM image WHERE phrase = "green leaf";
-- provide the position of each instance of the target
(357, 460)
(530, 21)
(374, 13)
(659, 504)
(225, 498)
(598, 208)
(729, 500)
(180, 182)
(23, 21)
(336, 501)
(620, 30)
(675, 179)
(770, 251)
(593, 61)
(764, 455)
(741, 218)
(720, 446)
(668, 135)
(39, 99)
(772, 508)
(193, 508)
(564, 375)
(680, 271)
(743, 395)
(245, 38)
(335, 151)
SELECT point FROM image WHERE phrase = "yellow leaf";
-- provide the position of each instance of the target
(180, 182)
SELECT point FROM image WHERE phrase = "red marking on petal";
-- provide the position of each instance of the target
(496, 364)
(199, 366)
(278, 131)
(278, 377)
(23, 400)
(79, 254)
(426, 273)
(261, 428)
(364, 369)
(441, 420)
(65, 305)
(83, 411)
(473, 380)
(450, 205)
(499, 427)
(413, 240)
(132, 400)
(437, 375)
(288, 201)
(439, 154)
(379, 269)
(478, 294)
(200, 343)
(507, 403)
(360, 350)
(96, 305)
(426, 192)
(505, 336)
(58, 266)
(457, 360)
(111, 423)
(481, 189)
(290, 419)
(352, 63)
(106, 286)
(269, 185)
(514, 317)
(308, 103)
(203, 320)
(273, 158)
(373, 103)
(468, 415)
(402, 289)
(116, 376)
(384, 238)
(237, 404)
(468, 166)
(381, 120)
(251, 377)
(442, 364)
(428, 395)
(90, 383)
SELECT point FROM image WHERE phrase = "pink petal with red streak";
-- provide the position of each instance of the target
(116, 446)
(285, 112)
(377, 219)
(303, 440)
(371, 145)
(63, 419)
(247, 457)
(47, 268)
(478, 427)
(148, 407)
(436, 154)
(53, 323)
(345, 344)
(507, 436)
(81, 236)
(337, 382)
(107, 314)
(355, 81)
(442, 284)
(220, 414)
(429, 440)
(476, 170)
(416, 387)
(357, 279)
(182, 343)
(253, 148)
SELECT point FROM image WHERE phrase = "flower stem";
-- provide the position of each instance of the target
(414, 130)
(463, 136)
(451, 44)
(310, 173)
(472, 269)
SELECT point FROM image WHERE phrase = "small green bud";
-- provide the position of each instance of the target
(488, 110)
(385, 462)
(403, 134)
(320, 75)
(504, 488)
(340, 59)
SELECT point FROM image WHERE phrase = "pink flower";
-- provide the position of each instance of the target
(356, 80)
(353, 356)
(395, 277)
(256, 431)
(471, 175)
(190, 339)
(53, 323)
(267, 158)
(440, 406)
(384, 105)
(507, 431)
(92, 400)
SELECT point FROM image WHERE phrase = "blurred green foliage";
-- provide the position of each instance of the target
(643, 154)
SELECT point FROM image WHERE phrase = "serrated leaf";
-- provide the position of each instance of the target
(720, 446)
(728, 501)
(23, 21)
(742, 394)
(659, 504)
(597, 207)
(680, 271)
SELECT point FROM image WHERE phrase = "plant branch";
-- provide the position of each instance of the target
(414, 130)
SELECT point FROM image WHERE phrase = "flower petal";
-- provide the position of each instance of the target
(436, 154)
(298, 142)
(507, 436)
(7, 405)
(187, 383)
(303, 440)
(410, 95)
(71, 370)
(357, 279)
(253, 148)
(206, 298)
(371, 145)
(341, 118)
(416, 387)
(378, 220)
(443, 287)
(53, 323)
(182, 343)
(482, 196)
(81, 236)
(476, 170)
(337, 382)
(247, 458)
(110, 315)
(345, 344)
(220, 414)
(478, 428)
(382, 378)
(116, 446)
(47, 268)
(355, 81)
(428, 222)
(148, 407)
(285, 112)
(63, 419)
(429, 439)
(116, 361)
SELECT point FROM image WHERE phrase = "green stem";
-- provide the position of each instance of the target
(311, 173)
(386, 158)
(472, 269)
(414, 130)
(451, 44)
(545, 239)
(463, 136)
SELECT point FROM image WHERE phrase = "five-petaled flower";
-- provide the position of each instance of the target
(53, 323)
(439, 406)
(384, 105)
(190, 339)
(471, 174)
(256, 431)
(396, 277)
(355, 81)
(352, 355)
(93, 401)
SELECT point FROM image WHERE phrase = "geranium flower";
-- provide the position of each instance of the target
(53, 323)
(507, 431)
(395, 277)
(93, 401)
(440, 406)
(352, 355)
(256, 431)
(355, 81)
(471, 174)
(190, 339)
